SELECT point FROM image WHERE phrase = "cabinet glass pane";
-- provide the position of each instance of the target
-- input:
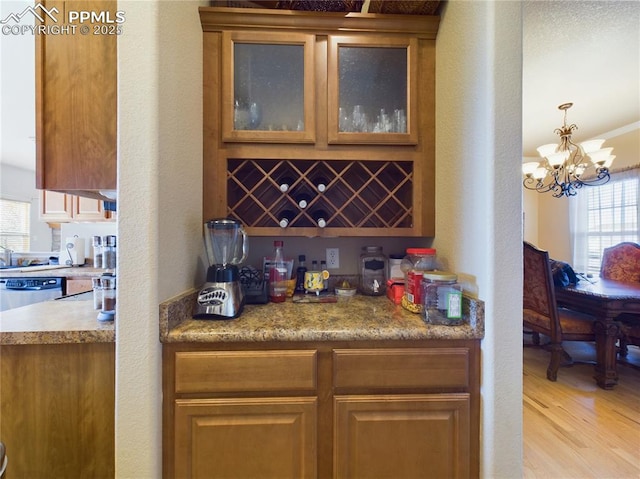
(268, 87)
(373, 89)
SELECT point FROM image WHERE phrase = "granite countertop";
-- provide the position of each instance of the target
(50, 270)
(55, 322)
(360, 318)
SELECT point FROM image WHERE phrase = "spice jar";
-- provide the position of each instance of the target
(415, 263)
(441, 298)
(109, 252)
(373, 271)
(97, 252)
(108, 284)
(97, 293)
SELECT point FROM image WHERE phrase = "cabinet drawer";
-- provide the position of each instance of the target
(401, 368)
(243, 371)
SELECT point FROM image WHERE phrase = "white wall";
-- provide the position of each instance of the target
(478, 200)
(159, 219)
(159, 208)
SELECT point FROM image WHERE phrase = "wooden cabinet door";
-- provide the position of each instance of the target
(88, 209)
(372, 89)
(246, 438)
(408, 436)
(268, 87)
(57, 410)
(76, 101)
(56, 207)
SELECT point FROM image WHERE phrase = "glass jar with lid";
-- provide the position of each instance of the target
(415, 263)
(441, 298)
(373, 271)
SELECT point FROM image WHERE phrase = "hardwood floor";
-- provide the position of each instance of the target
(573, 428)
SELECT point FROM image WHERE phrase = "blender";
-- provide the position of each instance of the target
(227, 245)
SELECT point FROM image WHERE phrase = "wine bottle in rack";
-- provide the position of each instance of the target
(286, 217)
(320, 217)
(285, 183)
(303, 200)
(321, 184)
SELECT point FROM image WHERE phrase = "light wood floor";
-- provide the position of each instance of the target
(573, 428)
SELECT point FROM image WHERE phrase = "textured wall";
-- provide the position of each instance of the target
(478, 200)
(160, 196)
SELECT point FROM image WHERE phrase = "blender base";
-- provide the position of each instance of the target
(219, 300)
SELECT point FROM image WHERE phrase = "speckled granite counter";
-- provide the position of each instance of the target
(67, 272)
(54, 322)
(361, 318)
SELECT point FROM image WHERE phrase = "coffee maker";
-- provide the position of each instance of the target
(226, 244)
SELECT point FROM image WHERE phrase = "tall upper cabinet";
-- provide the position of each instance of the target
(319, 124)
(76, 102)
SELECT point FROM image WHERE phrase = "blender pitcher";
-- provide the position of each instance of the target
(226, 242)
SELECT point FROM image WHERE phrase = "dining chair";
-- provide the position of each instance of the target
(541, 314)
(621, 262)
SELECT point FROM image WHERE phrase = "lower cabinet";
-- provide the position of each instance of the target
(383, 409)
(57, 409)
(424, 435)
(250, 438)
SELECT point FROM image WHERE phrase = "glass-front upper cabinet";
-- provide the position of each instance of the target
(372, 90)
(267, 87)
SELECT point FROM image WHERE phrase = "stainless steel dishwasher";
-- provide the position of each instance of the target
(16, 292)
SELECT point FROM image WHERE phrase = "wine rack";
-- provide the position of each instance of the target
(359, 194)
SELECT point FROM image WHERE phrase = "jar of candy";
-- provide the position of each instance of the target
(373, 271)
(441, 298)
(415, 263)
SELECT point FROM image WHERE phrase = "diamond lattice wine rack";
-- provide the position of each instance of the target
(373, 196)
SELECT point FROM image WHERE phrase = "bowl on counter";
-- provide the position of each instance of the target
(345, 293)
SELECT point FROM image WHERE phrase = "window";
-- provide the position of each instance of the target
(609, 215)
(15, 218)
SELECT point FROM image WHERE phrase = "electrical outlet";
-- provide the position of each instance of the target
(333, 258)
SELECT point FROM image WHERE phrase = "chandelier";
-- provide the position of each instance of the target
(567, 167)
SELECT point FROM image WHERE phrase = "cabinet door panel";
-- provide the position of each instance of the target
(372, 89)
(88, 209)
(401, 436)
(246, 438)
(56, 207)
(267, 87)
(76, 101)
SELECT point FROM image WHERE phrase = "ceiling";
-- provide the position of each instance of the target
(585, 52)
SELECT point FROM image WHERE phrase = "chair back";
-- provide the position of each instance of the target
(540, 311)
(621, 262)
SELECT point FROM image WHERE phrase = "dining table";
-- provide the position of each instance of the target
(606, 300)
